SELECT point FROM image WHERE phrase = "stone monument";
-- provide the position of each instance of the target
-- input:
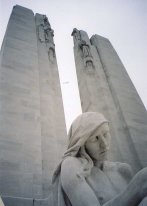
(105, 87)
(32, 124)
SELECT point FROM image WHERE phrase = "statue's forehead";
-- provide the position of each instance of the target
(103, 127)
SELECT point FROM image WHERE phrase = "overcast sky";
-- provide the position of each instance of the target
(123, 22)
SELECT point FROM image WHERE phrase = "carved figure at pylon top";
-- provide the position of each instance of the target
(76, 34)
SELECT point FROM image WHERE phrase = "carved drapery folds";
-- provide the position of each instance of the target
(84, 47)
(45, 35)
(76, 35)
(86, 53)
(41, 33)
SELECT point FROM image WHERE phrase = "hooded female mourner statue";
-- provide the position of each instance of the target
(86, 178)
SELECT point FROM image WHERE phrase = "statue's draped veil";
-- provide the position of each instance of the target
(81, 129)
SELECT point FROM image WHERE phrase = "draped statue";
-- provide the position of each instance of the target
(86, 178)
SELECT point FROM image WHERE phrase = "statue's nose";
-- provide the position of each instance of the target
(104, 143)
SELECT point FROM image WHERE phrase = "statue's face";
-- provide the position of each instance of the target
(98, 144)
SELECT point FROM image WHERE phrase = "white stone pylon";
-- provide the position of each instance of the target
(32, 123)
(105, 87)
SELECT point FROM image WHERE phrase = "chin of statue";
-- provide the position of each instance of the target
(102, 157)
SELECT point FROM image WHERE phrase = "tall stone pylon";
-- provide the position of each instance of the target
(32, 123)
(105, 87)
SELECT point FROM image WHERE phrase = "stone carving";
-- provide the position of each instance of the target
(46, 34)
(85, 49)
(88, 60)
(86, 177)
(76, 34)
(41, 33)
(51, 54)
(84, 46)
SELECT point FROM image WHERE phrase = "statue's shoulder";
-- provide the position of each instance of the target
(70, 165)
(71, 161)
